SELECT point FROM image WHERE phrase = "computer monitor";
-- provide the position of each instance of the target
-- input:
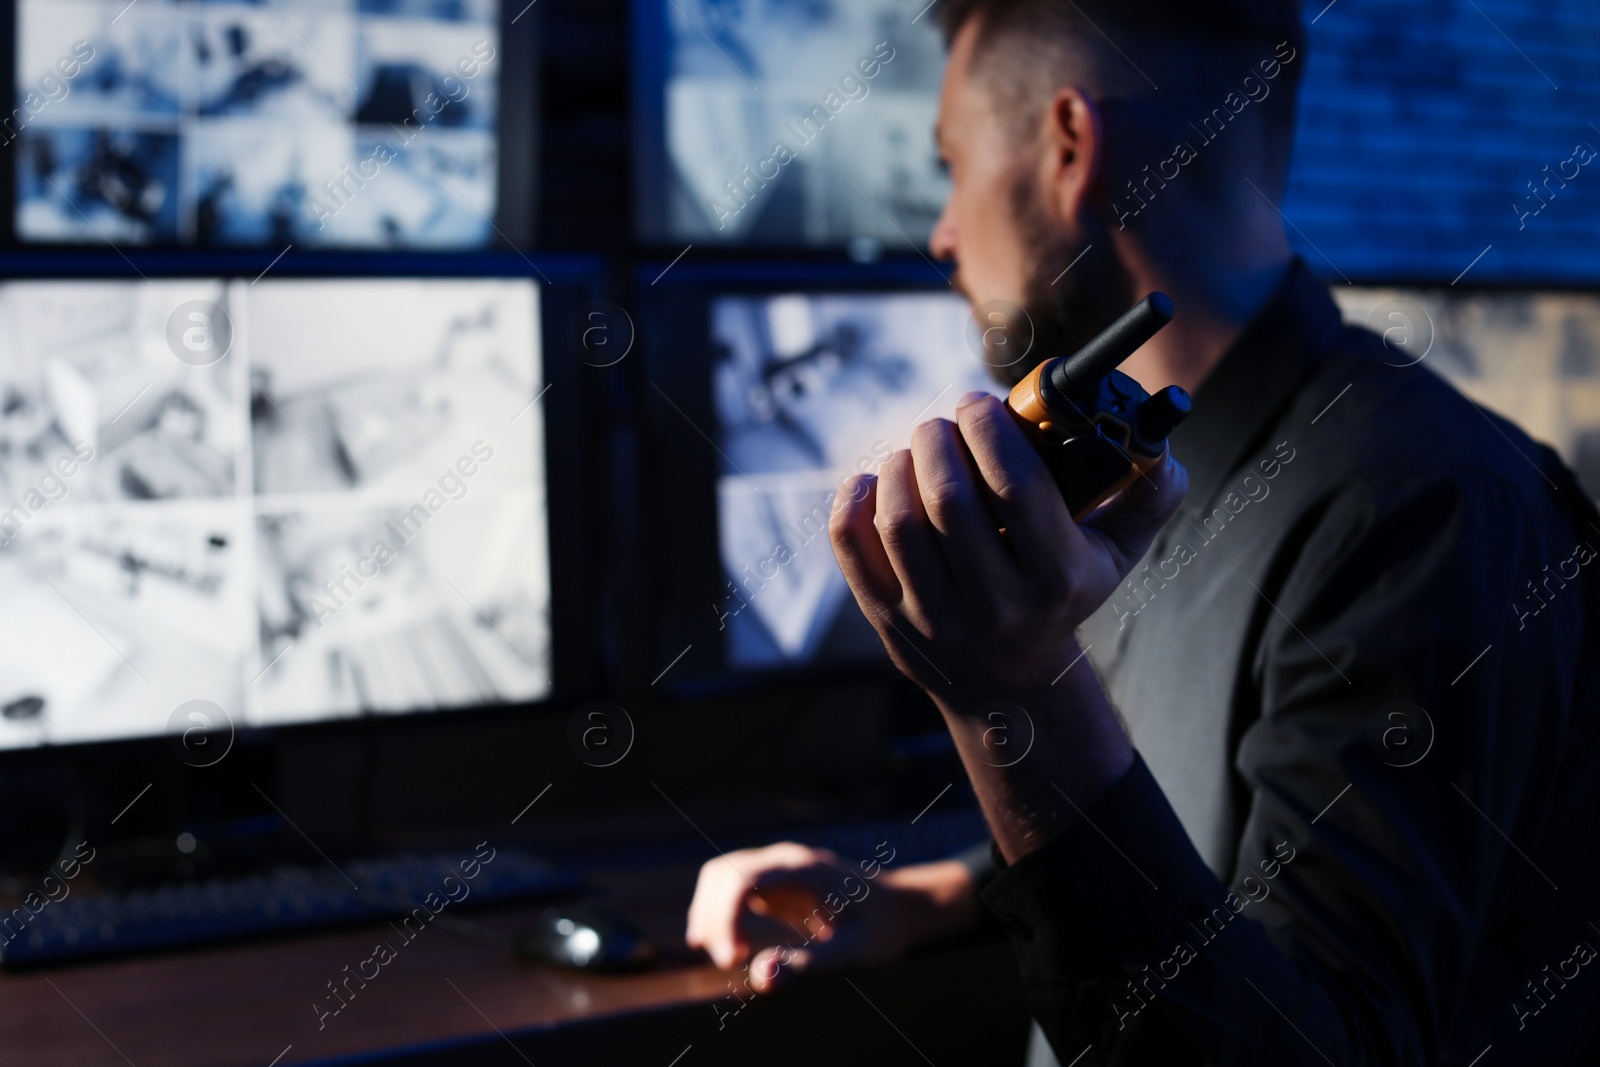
(797, 383)
(317, 123)
(787, 125)
(297, 500)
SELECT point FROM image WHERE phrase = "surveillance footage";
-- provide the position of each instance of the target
(85, 371)
(378, 409)
(116, 614)
(357, 384)
(810, 390)
(801, 122)
(203, 122)
(369, 615)
(345, 516)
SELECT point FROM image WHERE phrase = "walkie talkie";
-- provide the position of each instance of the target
(1097, 429)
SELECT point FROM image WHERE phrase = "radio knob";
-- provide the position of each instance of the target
(1162, 413)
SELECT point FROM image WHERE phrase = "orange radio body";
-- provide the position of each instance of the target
(1097, 429)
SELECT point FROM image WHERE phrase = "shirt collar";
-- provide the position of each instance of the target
(1238, 401)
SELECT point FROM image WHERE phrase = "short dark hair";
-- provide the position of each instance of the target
(1216, 25)
(1200, 50)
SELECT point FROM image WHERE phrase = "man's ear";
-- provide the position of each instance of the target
(1074, 152)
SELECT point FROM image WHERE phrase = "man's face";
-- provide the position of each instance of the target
(979, 228)
(1000, 224)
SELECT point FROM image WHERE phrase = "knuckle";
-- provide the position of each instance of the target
(1009, 487)
(944, 500)
(897, 526)
(777, 857)
(1015, 487)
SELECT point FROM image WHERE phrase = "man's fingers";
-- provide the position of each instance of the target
(716, 913)
(760, 932)
(768, 967)
(749, 900)
(724, 942)
(955, 504)
(858, 548)
(720, 917)
(1127, 524)
(911, 543)
(1022, 491)
(774, 968)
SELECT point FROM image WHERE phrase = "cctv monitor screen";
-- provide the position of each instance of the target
(788, 123)
(321, 123)
(297, 500)
(807, 390)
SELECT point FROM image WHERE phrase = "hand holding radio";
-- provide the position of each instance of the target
(972, 613)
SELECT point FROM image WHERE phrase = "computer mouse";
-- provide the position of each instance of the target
(585, 937)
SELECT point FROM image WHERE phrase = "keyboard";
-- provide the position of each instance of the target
(84, 925)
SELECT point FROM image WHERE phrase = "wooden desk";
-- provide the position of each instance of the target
(449, 999)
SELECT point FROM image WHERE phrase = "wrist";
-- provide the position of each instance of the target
(1063, 677)
(936, 899)
(1038, 756)
(1064, 727)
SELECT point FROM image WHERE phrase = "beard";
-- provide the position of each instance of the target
(1066, 308)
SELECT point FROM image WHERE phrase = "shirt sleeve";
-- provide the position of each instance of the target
(1380, 785)
(979, 862)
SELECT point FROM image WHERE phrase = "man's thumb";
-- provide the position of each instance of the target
(1130, 521)
(774, 968)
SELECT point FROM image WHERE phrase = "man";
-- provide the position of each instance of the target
(1346, 814)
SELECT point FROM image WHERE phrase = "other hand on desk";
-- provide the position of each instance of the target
(764, 908)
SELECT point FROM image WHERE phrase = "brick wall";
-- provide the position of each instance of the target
(1421, 125)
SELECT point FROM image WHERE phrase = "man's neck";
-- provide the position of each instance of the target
(1215, 303)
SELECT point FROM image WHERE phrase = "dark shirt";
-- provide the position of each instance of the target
(1360, 668)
